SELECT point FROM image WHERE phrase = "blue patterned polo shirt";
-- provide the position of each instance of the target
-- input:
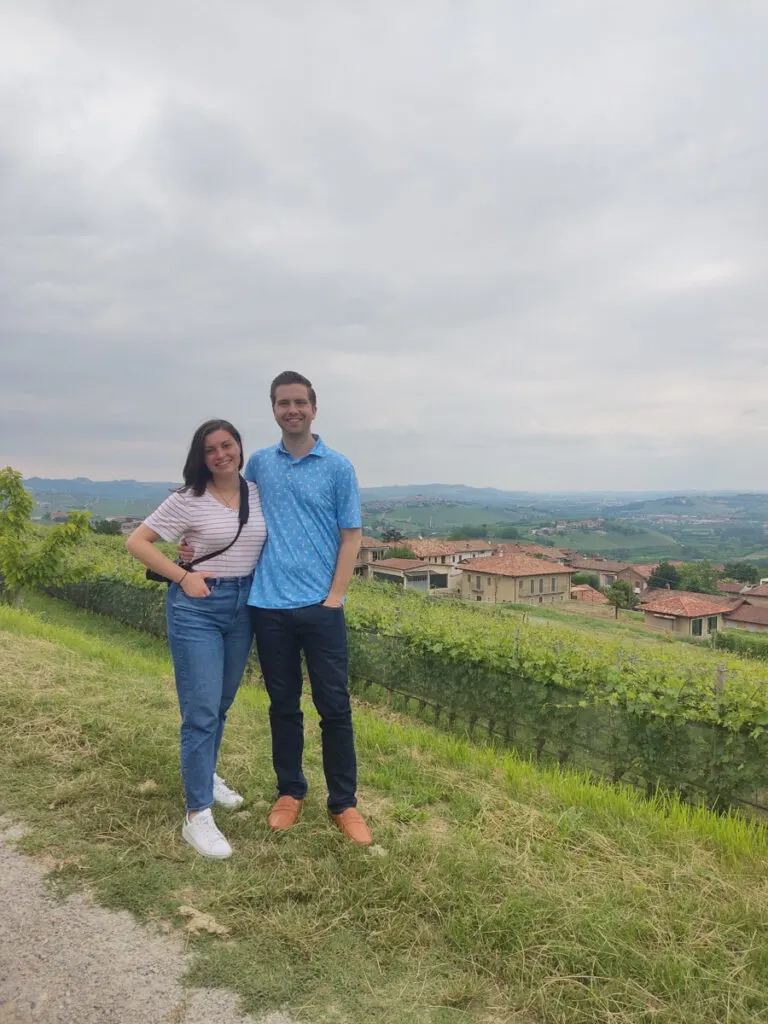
(306, 502)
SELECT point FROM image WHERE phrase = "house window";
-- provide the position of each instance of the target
(533, 585)
(442, 559)
(712, 624)
(696, 627)
(479, 598)
(541, 585)
(488, 579)
(541, 600)
(554, 584)
(609, 579)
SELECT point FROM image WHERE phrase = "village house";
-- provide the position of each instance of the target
(606, 570)
(637, 575)
(747, 616)
(410, 574)
(515, 578)
(686, 614)
(448, 552)
(583, 592)
(757, 595)
(445, 557)
(532, 550)
(730, 588)
(371, 550)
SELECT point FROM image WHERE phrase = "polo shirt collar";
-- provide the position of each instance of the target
(319, 449)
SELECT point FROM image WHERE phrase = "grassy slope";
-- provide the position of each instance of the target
(497, 892)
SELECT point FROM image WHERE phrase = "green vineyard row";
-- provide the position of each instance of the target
(691, 719)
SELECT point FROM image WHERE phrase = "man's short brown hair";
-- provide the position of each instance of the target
(291, 377)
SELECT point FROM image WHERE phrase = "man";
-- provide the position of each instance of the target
(312, 508)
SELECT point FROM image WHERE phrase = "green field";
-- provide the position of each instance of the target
(497, 892)
(438, 519)
(649, 544)
(100, 508)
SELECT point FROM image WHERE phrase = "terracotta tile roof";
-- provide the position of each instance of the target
(643, 570)
(373, 542)
(761, 591)
(514, 565)
(686, 605)
(398, 563)
(588, 594)
(750, 613)
(432, 547)
(597, 564)
(730, 588)
(554, 554)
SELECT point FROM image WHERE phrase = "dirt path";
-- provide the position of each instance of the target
(73, 962)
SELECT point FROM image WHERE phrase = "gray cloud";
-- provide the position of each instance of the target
(512, 245)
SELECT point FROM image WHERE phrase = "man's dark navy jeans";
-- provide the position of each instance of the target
(321, 633)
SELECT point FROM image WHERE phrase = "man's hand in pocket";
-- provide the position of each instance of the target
(185, 551)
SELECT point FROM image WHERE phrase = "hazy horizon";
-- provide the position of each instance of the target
(370, 487)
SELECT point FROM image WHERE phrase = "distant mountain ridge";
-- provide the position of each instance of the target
(462, 493)
(495, 497)
(115, 489)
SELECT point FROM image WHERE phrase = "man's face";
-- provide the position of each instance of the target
(293, 410)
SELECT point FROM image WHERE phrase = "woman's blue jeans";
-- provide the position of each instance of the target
(210, 638)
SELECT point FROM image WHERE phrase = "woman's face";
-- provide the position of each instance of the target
(222, 452)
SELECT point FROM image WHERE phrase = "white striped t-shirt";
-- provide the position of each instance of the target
(208, 525)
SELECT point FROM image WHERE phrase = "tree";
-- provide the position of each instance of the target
(104, 526)
(663, 576)
(621, 594)
(698, 578)
(744, 572)
(392, 535)
(400, 552)
(508, 533)
(468, 533)
(29, 557)
(590, 578)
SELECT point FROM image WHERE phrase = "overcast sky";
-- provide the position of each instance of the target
(512, 244)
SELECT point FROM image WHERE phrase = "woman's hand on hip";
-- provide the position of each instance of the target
(194, 584)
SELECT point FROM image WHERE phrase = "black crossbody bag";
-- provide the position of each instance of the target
(242, 515)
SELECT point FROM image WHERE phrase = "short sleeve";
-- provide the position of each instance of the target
(250, 470)
(171, 519)
(348, 514)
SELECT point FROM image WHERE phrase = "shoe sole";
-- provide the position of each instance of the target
(229, 806)
(204, 853)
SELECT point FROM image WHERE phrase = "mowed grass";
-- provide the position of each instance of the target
(496, 892)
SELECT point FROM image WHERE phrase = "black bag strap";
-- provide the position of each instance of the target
(242, 514)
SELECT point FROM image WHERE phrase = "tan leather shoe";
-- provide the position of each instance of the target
(284, 814)
(352, 825)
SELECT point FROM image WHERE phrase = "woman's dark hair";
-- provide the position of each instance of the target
(196, 473)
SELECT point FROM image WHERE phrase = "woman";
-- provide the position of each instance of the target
(209, 630)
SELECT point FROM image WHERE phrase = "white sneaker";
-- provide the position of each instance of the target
(201, 833)
(223, 795)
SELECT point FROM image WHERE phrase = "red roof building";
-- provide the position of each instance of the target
(750, 617)
(583, 592)
(515, 578)
(686, 614)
